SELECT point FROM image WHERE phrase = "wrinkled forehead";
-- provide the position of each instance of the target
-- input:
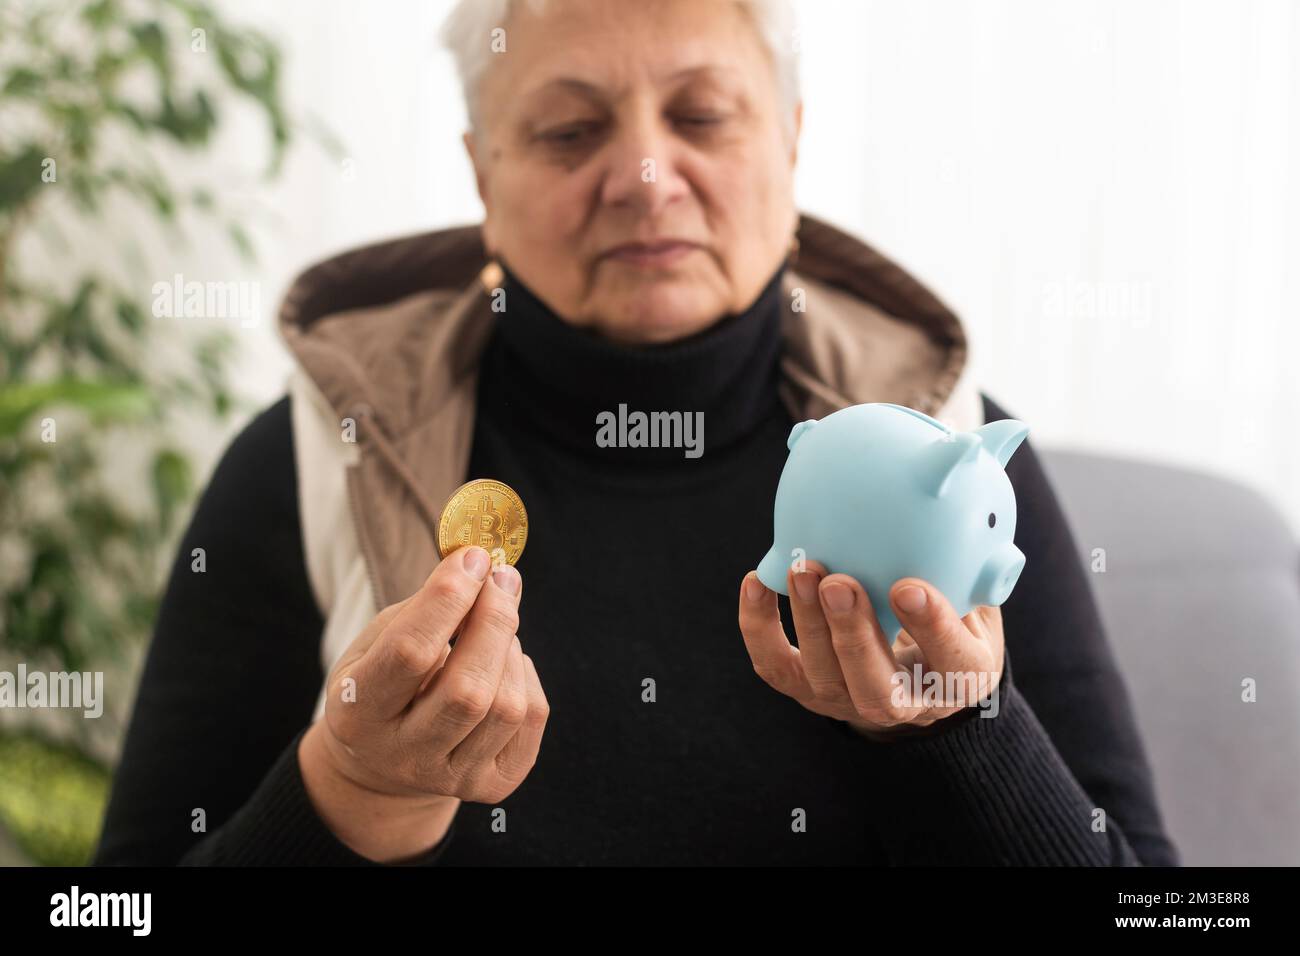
(603, 50)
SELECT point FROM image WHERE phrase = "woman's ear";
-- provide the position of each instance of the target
(798, 128)
(480, 182)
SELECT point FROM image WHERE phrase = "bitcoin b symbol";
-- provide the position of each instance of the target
(486, 523)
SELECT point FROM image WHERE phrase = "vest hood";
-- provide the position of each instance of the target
(869, 329)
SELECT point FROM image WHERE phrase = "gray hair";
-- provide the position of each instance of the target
(468, 31)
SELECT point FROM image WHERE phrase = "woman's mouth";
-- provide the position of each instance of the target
(651, 255)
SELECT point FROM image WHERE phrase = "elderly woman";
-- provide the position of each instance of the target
(322, 688)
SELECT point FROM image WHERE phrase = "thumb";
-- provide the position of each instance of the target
(414, 641)
(933, 623)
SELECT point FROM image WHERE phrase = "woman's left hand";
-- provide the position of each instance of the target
(844, 666)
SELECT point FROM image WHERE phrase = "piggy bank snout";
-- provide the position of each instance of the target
(998, 576)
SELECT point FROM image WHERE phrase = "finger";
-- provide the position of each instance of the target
(985, 623)
(520, 752)
(820, 665)
(865, 657)
(947, 645)
(775, 660)
(363, 641)
(518, 597)
(396, 665)
(345, 669)
(982, 620)
(436, 667)
(466, 687)
(502, 721)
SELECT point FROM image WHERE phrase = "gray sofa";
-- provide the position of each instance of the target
(1201, 591)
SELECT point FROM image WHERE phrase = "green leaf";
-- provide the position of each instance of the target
(105, 401)
(130, 316)
(243, 241)
(102, 14)
(22, 82)
(172, 481)
(152, 45)
(52, 798)
(20, 176)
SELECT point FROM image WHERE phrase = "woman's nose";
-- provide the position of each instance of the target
(642, 164)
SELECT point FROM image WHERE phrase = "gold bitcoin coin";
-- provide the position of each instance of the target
(486, 513)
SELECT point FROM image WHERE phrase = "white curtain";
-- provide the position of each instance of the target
(1105, 190)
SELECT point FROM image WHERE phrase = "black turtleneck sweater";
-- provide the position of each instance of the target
(663, 746)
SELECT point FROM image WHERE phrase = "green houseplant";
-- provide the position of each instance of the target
(104, 105)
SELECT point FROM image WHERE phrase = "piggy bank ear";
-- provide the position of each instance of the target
(797, 431)
(1003, 438)
(940, 459)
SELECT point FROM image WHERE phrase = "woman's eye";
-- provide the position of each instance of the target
(699, 120)
(993, 519)
(567, 134)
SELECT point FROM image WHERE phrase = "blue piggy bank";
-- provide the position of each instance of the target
(882, 492)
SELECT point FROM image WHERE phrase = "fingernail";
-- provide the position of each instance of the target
(910, 598)
(476, 563)
(805, 584)
(753, 588)
(839, 597)
(507, 578)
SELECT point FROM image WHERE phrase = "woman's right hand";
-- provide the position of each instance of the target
(413, 725)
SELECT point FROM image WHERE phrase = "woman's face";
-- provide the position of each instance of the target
(615, 123)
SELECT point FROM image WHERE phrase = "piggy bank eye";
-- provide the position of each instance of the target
(993, 519)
